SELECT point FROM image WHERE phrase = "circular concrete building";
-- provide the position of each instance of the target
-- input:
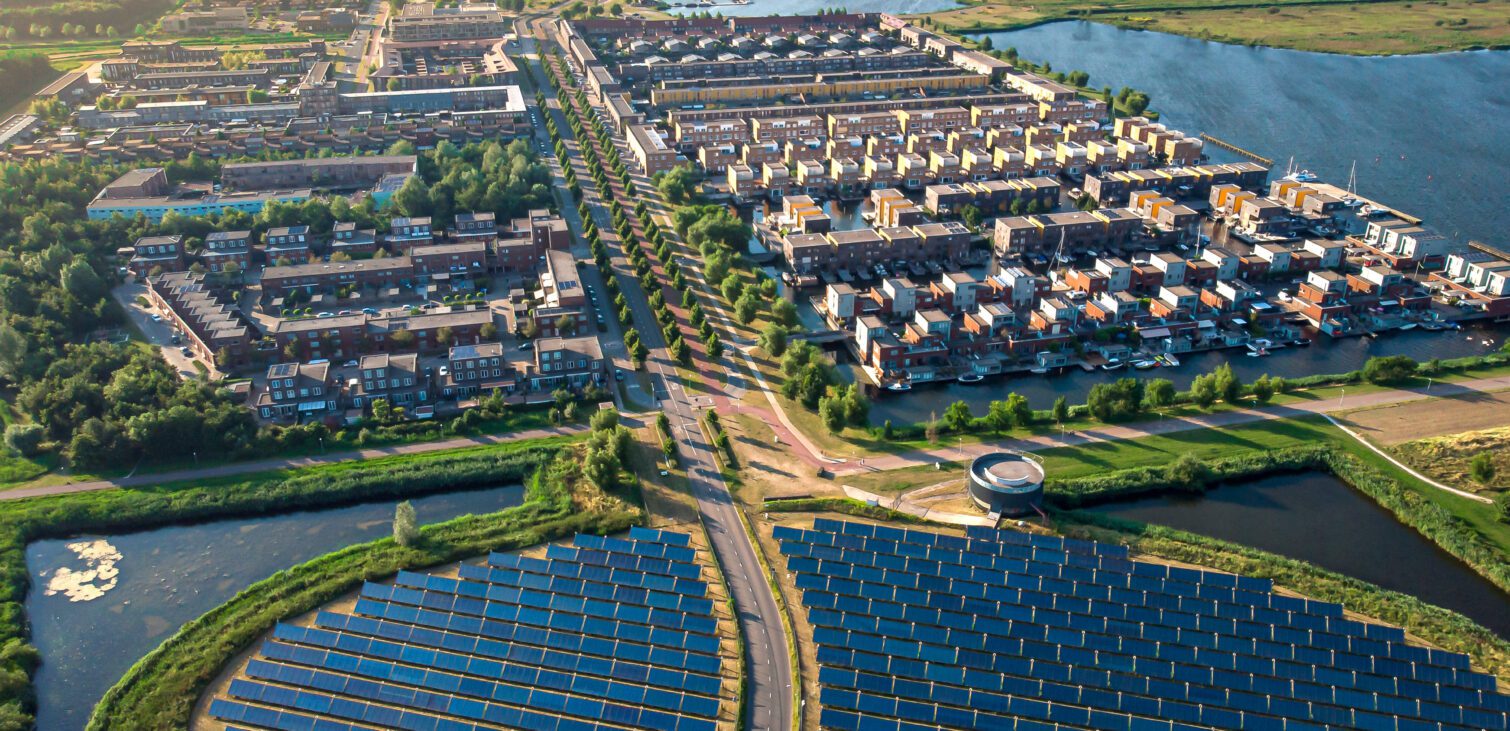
(1006, 483)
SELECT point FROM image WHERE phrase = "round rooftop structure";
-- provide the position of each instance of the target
(1006, 483)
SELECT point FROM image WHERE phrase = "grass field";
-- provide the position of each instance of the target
(1362, 28)
(1446, 458)
(1432, 418)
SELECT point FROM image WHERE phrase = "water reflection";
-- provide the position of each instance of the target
(1317, 518)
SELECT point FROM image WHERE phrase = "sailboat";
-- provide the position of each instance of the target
(1352, 200)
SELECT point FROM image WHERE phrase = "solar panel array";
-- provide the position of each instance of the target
(1009, 631)
(605, 633)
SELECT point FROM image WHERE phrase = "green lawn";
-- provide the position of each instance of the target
(1087, 460)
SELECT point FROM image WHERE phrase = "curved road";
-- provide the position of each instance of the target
(768, 667)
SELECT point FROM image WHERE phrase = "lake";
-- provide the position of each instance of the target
(1317, 518)
(1427, 132)
(134, 590)
(1327, 355)
(757, 8)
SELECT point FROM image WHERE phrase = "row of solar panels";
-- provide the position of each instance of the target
(512, 683)
(555, 619)
(972, 625)
(565, 639)
(647, 564)
(1027, 668)
(1091, 684)
(872, 564)
(1374, 639)
(929, 538)
(554, 650)
(594, 572)
(1167, 660)
(988, 554)
(497, 659)
(577, 597)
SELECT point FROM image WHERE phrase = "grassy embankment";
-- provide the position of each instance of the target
(1449, 458)
(1332, 26)
(111, 511)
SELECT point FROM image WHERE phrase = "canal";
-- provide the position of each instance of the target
(1315, 517)
(99, 603)
(1327, 355)
(1325, 110)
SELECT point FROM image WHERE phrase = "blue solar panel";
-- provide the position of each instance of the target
(1113, 643)
(611, 630)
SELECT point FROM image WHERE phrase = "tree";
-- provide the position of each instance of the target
(679, 184)
(1203, 391)
(784, 312)
(402, 339)
(1159, 393)
(732, 287)
(971, 215)
(24, 439)
(1481, 468)
(1389, 370)
(1188, 472)
(715, 347)
(1061, 410)
(746, 307)
(1227, 384)
(773, 339)
(1020, 409)
(957, 416)
(833, 413)
(405, 525)
(1115, 401)
(998, 416)
(1263, 389)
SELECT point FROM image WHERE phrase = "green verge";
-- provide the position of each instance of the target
(1441, 627)
(114, 511)
(160, 690)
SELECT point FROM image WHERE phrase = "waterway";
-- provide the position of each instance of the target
(1317, 518)
(146, 585)
(757, 8)
(1427, 132)
(1327, 355)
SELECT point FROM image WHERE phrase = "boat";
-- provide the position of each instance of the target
(1170, 360)
(1301, 343)
(1408, 326)
(1433, 326)
(899, 386)
(970, 378)
(1256, 353)
(1112, 365)
(1144, 364)
(1038, 371)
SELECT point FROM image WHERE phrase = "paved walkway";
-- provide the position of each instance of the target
(1170, 426)
(266, 465)
(1403, 466)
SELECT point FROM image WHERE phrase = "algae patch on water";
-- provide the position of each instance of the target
(98, 575)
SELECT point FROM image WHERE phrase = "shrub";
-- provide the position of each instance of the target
(24, 439)
(1389, 370)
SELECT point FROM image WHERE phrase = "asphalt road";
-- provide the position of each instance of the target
(768, 660)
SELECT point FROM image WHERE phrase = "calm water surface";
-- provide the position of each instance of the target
(1427, 132)
(172, 575)
(1315, 517)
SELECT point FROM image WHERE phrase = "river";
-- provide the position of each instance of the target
(148, 584)
(1317, 518)
(1427, 132)
(1328, 355)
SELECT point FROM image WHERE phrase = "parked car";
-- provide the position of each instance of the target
(186, 352)
(350, 364)
(157, 318)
